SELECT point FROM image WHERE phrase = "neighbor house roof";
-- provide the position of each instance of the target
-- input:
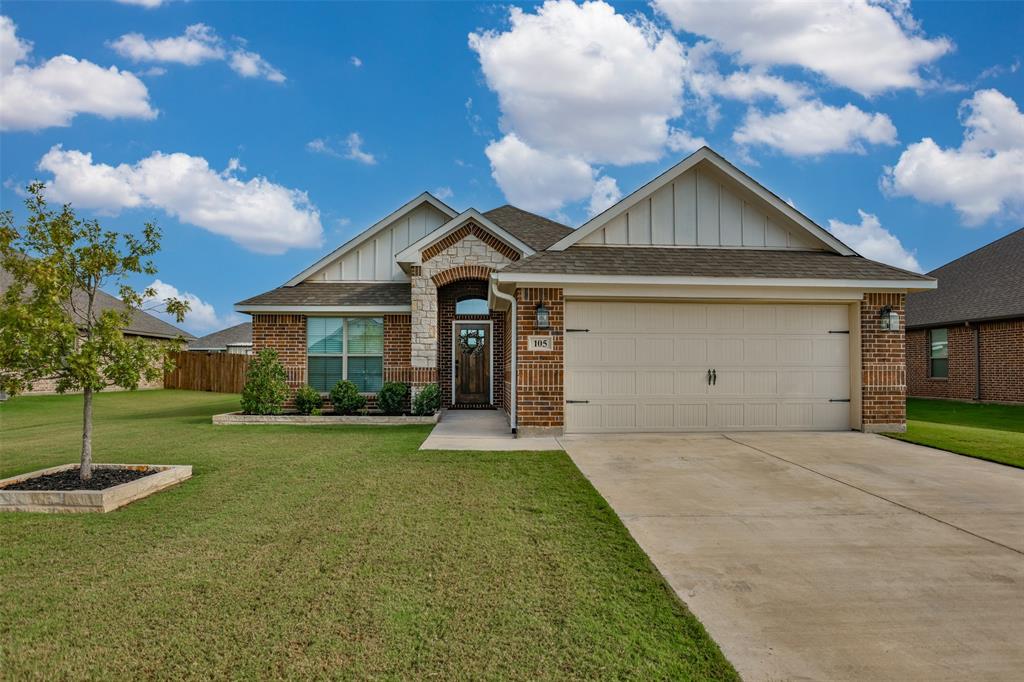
(140, 324)
(333, 294)
(986, 284)
(239, 335)
(631, 261)
(537, 231)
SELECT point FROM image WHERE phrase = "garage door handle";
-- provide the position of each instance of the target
(577, 402)
(569, 331)
(839, 400)
(714, 377)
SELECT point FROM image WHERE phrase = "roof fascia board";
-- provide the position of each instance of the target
(411, 253)
(425, 197)
(528, 278)
(723, 165)
(361, 309)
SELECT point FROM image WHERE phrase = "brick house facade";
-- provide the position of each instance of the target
(965, 340)
(412, 269)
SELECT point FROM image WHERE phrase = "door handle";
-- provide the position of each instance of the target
(714, 377)
(709, 377)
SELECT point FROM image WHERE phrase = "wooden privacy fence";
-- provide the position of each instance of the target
(219, 372)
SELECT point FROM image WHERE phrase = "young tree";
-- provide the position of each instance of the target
(51, 326)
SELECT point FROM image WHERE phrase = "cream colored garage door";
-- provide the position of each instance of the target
(632, 366)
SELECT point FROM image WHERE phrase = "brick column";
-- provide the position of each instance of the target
(540, 398)
(883, 365)
(287, 335)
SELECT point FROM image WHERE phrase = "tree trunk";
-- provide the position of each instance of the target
(86, 470)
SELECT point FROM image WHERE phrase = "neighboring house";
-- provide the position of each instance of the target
(142, 324)
(965, 340)
(236, 340)
(701, 301)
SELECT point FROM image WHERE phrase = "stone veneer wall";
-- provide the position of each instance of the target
(471, 250)
(540, 394)
(883, 365)
(1002, 362)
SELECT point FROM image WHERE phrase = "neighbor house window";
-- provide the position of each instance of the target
(938, 353)
(472, 305)
(345, 348)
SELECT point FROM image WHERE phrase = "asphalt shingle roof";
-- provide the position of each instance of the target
(985, 284)
(536, 231)
(335, 293)
(239, 334)
(697, 262)
(141, 324)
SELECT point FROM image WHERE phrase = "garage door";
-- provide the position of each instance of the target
(633, 366)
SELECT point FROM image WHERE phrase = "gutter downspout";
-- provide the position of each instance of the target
(515, 344)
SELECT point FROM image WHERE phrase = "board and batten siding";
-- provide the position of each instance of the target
(697, 209)
(374, 259)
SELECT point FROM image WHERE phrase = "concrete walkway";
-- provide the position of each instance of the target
(829, 556)
(485, 430)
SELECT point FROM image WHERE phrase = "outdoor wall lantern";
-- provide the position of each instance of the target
(890, 319)
(543, 316)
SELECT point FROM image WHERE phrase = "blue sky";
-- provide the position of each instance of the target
(261, 135)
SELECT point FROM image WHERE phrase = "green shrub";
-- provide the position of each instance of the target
(427, 401)
(346, 399)
(308, 400)
(266, 386)
(391, 397)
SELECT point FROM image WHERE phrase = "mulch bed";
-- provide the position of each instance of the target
(68, 479)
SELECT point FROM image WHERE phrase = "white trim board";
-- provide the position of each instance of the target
(490, 356)
(411, 253)
(704, 154)
(409, 206)
(532, 278)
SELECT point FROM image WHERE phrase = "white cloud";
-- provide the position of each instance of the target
(53, 93)
(202, 317)
(251, 65)
(198, 44)
(981, 178)
(355, 61)
(148, 4)
(873, 241)
(584, 80)
(814, 128)
(605, 193)
(867, 47)
(258, 214)
(536, 180)
(354, 144)
(681, 141)
(321, 146)
(443, 193)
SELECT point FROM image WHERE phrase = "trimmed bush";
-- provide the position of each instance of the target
(391, 397)
(308, 400)
(427, 401)
(266, 385)
(345, 398)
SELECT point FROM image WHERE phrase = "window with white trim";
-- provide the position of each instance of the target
(938, 353)
(345, 348)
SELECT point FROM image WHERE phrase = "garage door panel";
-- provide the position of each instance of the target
(644, 366)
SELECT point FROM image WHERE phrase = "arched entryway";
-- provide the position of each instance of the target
(471, 367)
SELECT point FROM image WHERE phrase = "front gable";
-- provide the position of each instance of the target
(704, 202)
(468, 227)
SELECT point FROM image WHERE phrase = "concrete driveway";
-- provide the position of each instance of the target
(829, 556)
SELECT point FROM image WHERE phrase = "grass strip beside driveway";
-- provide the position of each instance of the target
(339, 552)
(992, 432)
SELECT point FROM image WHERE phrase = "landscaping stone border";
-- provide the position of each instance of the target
(76, 501)
(323, 419)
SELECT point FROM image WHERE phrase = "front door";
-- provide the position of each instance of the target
(472, 363)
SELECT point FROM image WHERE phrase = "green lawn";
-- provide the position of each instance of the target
(992, 432)
(342, 552)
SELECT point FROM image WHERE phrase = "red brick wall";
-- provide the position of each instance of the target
(1002, 363)
(539, 385)
(287, 335)
(506, 361)
(883, 364)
